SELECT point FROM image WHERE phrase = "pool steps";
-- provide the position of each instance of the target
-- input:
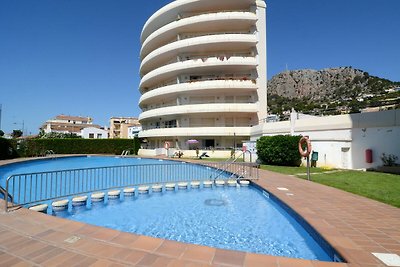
(170, 187)
(144, 189)
(60, 205)
(129, 191)
(76, 201)
(182, 185)
(40, 208)
(79, 200)
(114, 194)
(156, 188)
(97, 197)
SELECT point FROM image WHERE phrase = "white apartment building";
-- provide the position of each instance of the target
(203, 73)
(133, 131)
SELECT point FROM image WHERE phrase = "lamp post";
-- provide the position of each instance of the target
(234, 145)
(234, 141)
(1, 107)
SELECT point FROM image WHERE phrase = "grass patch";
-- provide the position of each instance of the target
(292, 170)
(382, 187)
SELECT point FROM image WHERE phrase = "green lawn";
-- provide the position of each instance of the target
(382, 187)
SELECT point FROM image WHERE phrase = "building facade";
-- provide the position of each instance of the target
(67, 124)
(119, 126)
(133, 131)
(203, 73)
(81, 126)
(94, 133)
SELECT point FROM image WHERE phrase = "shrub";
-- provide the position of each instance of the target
(279, 150)
(389, 160)
(37, 147)
(7, 149)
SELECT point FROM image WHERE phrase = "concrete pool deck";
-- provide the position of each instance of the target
(355, 226)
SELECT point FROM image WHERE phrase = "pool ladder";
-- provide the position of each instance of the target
(125, 153)
(49, 153)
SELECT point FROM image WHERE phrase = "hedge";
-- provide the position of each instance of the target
(7, 149)
(37, 147)
(279, 150)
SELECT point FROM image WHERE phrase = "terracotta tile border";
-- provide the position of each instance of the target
(353, 225)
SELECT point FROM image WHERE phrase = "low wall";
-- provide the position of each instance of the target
(222, 154)
(341, 141)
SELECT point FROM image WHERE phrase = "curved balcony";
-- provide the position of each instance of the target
(198, 109)
(208, 87)
(215, 42)
(170, 12)
(196, 131)
(231, 65)
(214, 22)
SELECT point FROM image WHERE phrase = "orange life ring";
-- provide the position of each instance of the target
(305, 140)
(166, 145)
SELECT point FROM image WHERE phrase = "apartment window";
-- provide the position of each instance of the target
(170, 124)
(91, 135)
(99, 136)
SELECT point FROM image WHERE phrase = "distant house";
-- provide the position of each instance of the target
(94, 133)
(70, 125)
(119, 126)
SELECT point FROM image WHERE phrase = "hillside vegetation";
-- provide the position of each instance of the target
(330, 91)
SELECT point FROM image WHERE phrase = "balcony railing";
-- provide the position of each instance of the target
(236, 78)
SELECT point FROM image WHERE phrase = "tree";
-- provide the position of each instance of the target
(1, 133)
(16, 133)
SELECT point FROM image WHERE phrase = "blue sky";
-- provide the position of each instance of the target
(81, 57)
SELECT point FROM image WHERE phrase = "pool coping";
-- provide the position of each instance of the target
(347, 221)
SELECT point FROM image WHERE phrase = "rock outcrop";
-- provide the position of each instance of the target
(332, 83)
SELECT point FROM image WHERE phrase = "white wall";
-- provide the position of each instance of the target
(85, 133)
(341, 140)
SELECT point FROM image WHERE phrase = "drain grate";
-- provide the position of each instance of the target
(215, 202)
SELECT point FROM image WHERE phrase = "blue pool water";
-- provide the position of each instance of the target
(230, 218)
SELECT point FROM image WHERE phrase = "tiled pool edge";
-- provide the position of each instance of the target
(93, 241)
(328, 248)
(346, 221)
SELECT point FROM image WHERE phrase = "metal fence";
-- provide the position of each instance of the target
(29, 188)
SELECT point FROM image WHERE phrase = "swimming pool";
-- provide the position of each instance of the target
(237, 218)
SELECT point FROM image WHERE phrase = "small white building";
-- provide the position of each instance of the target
(343, 141)
(94, 133)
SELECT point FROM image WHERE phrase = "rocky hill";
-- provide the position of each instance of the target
(308, 90)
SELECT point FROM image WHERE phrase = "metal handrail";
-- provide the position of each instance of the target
(29, 188)
(6, 194)
(228, 165)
